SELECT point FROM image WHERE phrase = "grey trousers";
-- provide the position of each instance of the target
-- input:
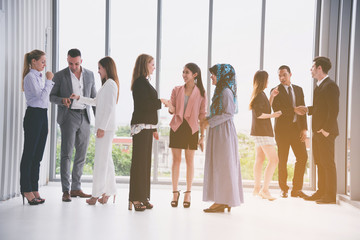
(75, 131)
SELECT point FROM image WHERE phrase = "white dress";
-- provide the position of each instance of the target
(105, 119)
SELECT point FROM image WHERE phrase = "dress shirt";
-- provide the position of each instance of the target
(78, 88)
(36, 92)
(319, 82)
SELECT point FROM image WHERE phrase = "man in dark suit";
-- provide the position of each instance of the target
(324, 113)
(74, 121)
(290, 130)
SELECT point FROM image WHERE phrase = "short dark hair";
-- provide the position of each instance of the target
(284, 67)
(74, 53)
(324, 62)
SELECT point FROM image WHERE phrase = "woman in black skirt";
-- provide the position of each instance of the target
(188, 105)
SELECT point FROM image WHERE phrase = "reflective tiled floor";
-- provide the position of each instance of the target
(255, 219)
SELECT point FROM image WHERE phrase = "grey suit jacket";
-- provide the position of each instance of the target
(63, 89)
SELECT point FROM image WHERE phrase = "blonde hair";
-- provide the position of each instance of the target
(34, 54)
(259, 84)
(141, 68)
(109, 65)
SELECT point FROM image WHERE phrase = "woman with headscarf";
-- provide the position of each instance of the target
(222, 177)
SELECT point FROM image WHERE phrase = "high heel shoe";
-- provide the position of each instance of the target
(266, 196)
(37, 196)
(175, 203)
(137, 206)
(92, 200)
(147, 204)
(219, 208)
(104, 199)
(33, 201)
(185, 203)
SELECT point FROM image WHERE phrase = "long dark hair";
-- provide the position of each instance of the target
(34, 54)
(109, 65)
(195, 69)
(259, 84)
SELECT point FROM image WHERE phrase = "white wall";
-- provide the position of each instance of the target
(24, 25)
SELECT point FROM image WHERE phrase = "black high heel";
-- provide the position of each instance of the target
(33, 201)
(185, 203)
(40, 200)
(148, 205)
(175, 203)
(137, 206)
(219, 208)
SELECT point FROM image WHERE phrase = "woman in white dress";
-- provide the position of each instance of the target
(104, 184)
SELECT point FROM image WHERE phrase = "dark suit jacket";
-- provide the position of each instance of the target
(146, 102)
(282, 102)
(63, 89)
(325, 107)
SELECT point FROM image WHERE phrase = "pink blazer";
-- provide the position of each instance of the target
(195, 110)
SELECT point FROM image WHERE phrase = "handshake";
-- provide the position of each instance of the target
(167, 103)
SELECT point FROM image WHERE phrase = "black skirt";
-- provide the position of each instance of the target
(183, 137)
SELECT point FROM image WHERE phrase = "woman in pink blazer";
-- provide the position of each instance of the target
(188, 105)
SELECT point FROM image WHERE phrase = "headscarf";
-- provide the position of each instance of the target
(225, 76)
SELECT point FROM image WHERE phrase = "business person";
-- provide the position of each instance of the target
(290, 130)
(143, 129)
(35, 123)
(104, 183)
(74, 120)
(324, 113)
(188, 105)
(222, 174)
(262, 133)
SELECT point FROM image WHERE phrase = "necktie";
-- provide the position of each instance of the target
(291, 97)
(292, 101)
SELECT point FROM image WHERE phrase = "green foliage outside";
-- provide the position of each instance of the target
(122, 159)
(247, 159)
(123, 131)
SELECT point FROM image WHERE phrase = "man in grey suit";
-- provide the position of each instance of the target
(74, 121)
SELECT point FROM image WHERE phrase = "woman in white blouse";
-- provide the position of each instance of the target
(104, 184)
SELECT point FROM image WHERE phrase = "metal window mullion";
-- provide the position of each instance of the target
(262, 34)
(107, 27)
(158, 70)
(208, 86)
(55, 67)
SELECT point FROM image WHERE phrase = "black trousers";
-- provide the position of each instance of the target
(140, 171)
(35, 134)
(284, 141)
(323, 151)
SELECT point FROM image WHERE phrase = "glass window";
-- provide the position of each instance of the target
(289, 32)
(82, 26)
(133, 32)
(184, 40)
(236, 40)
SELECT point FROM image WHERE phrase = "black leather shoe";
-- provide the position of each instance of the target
(314, 197)
(284, 194)
(299, 194)
(326, 201)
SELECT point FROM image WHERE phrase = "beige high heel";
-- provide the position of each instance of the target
(92, 200)
(104, 199)
(266, 196)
